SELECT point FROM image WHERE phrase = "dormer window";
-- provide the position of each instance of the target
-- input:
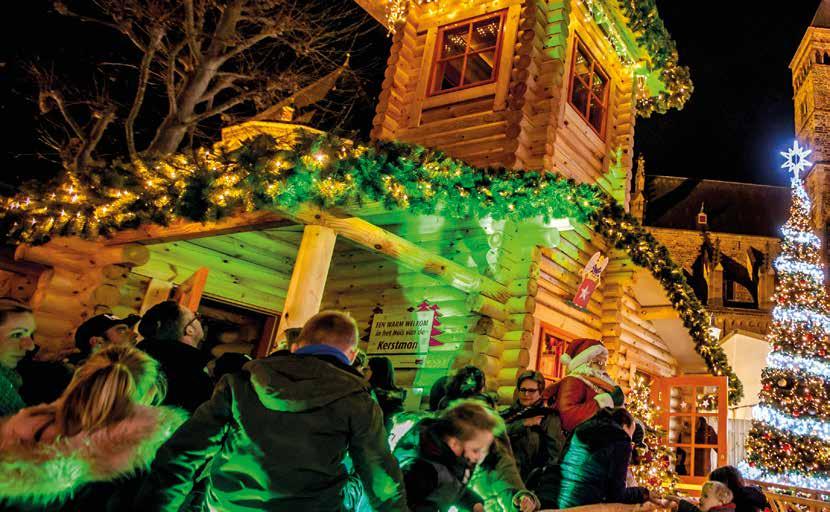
(589, 88)
(467, 53)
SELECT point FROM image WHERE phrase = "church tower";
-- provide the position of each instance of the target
(811, 85)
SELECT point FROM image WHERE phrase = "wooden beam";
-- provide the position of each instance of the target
(308, 280)
(184, 230)
(409, 254)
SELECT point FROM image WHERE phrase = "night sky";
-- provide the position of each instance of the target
(737, 120)
(741, 112)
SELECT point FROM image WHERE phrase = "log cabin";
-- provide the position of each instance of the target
(517, 119)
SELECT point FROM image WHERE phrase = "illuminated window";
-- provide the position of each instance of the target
(467, 53)
(589, 88)
(551, 348)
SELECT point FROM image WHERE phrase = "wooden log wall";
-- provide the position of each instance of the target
(518, 269)
(85, 279)
(363, 283)
(20, 286)
(632, 341)
(491, 333)
(480, 124)
(613, 314)
(544, 53)
(575, 149)
(523, 120)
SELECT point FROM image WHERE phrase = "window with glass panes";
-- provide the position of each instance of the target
(551, 348)
(467, 53)
(589, 88)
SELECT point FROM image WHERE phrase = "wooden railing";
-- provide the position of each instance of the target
(784, 498)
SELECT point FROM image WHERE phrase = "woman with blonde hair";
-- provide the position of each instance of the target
(17, 326)
(105, 427)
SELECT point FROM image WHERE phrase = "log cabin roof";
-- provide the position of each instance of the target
(739, 208)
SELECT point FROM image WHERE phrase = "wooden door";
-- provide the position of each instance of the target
(693, 411)
(189, 293)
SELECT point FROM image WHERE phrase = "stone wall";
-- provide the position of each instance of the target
(684, 245)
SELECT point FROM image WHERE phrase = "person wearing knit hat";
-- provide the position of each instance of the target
(587, 387)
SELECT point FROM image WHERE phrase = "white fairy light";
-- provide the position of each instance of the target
(790, 479)
(800, 315)
(801, 237)
(796, 426)
(785, 265)
(784, 361)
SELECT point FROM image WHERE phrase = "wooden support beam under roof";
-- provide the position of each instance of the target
(409, 254)
(186, 230)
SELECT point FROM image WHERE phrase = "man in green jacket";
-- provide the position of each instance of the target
(275, 435)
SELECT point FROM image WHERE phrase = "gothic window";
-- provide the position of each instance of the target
(589, 89)
(467, 53)
(736, 292)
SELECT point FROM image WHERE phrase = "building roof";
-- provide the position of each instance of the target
(739, 208)
(822, 17)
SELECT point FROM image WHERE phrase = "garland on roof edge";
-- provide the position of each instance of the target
(327, 171)
(652, 35)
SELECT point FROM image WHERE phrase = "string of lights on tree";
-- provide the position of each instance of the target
(789, 443)
(656, 470)
(327, 171)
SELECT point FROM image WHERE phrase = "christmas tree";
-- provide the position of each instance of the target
(656, 468)
(790, 439)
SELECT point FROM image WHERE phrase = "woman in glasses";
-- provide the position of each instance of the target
(534, 429)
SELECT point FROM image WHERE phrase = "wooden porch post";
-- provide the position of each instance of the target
(308, 279)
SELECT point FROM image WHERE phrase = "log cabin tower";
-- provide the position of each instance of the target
(811, 85)
(525, 84)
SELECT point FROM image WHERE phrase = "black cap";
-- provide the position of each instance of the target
(98, 325)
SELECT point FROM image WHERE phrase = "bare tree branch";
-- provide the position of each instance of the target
(57, 98)
(221, 59)
(156, 33)
(215, 111)
(61, 8)
(99, 127)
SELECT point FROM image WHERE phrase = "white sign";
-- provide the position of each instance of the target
(402, 337)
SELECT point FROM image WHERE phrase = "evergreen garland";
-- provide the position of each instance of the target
(656, 40)
(327, 171)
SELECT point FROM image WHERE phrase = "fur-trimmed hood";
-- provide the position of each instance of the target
(43, 472)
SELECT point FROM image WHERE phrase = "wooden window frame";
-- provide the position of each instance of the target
(544, 330)
(594, 65)
(661, 396)
(437, 60)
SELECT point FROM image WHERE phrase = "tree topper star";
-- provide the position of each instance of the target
(796, 159)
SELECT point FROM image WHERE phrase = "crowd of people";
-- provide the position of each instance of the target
(315, 426)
